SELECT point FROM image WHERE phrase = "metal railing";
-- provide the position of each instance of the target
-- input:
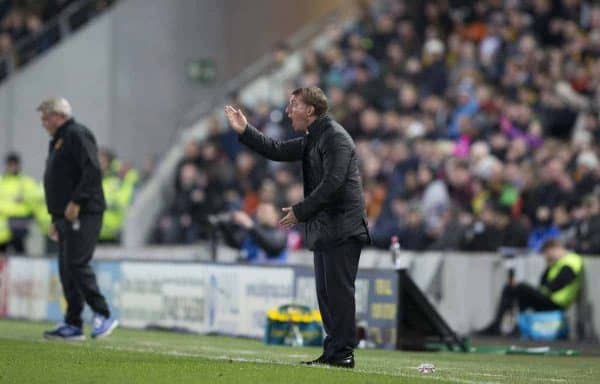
(52, 32)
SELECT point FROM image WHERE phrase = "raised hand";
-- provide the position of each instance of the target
(236, 119)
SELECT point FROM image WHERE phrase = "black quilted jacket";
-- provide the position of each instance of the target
(333, 209)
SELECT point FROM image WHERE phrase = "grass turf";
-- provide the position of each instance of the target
(160, 357)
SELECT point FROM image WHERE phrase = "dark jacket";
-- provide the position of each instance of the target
(73, 171)
(333, 208)
(273, 241)
(588, 240)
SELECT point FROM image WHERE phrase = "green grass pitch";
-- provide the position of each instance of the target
(130, 356)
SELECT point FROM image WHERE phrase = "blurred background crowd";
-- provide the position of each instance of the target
(476, 124)
(30, 27)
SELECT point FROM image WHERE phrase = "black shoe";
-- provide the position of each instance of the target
(318, 361)
(342, 362)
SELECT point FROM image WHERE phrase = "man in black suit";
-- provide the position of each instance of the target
(333, 210)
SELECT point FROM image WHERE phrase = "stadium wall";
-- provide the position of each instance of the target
(233, 298)
(125, 71)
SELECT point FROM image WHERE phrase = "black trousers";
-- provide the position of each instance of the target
(335, 274)
(526, 297)
(20, 229)
(76, 248)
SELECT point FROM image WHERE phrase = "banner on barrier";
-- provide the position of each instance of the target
(223, 299)
(108, 278)
(263, 289)
(380, 300)
(375, 294)
(227, 299)
(108, 274)
(201, 297)
(57, 305)
(28, 284)
(3, 287)
(162, 294)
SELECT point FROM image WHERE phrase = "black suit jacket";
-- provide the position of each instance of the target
(333, 208)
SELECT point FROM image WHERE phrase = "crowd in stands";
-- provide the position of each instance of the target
(22, 201)
(29, 27)
(477, 125)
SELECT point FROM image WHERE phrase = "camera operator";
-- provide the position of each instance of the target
(186, 217)
(259, 240)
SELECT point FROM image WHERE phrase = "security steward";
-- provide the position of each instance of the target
(5, 233)
(20, 197)
(559, 286)
(333, 210)
(74, 198)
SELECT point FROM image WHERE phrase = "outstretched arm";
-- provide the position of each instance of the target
(289, 150)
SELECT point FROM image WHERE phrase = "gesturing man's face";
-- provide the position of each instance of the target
(299, 113)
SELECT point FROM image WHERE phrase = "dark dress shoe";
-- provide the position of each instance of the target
(342, 362)
(319, 360)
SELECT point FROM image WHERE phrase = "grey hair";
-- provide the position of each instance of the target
(58, 105)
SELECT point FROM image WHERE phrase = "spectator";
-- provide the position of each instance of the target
(586, 175)
(513, 233)
(187, 217)
(191, 155)
(467, 106)
(259, 240)
(14, 25)
(544, 230)
(390, 222)
(37, 42)
(413, 236)
(434, 72)
(5, 52)
(588, 240)
(483, 235)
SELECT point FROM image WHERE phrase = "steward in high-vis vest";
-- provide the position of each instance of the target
(20, 196)
(118, 184)
(5, 234)
(561, 281)
(559, 286)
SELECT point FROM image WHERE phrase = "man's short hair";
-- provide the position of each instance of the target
(58, 105)
(12, 157)
(551, 243)
(313, 96)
